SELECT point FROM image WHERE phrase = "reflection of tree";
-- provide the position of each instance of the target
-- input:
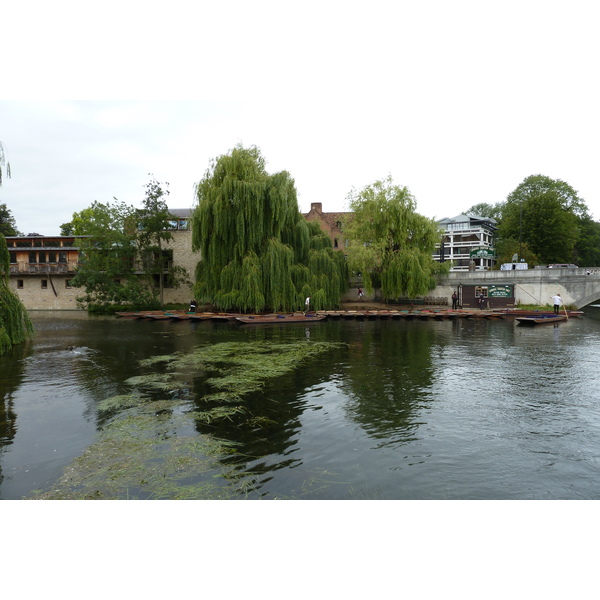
(11, 372)
(390, 375)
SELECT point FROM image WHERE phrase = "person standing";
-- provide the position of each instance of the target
(360, 294)
(307, 305)
(454, 300)
(557, 300)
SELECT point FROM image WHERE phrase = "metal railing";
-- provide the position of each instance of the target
(22, 269)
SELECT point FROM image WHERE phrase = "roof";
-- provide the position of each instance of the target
(182, 213)
(469, 219)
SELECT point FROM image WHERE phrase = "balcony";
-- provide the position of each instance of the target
(36, 269)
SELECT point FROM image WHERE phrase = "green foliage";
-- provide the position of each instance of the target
(587, 248)
(124, 252)
(391, 241)
(15, 324)
(107, 261)
(486, 210)
(506, 248)
(257, 251)
(8, 225)
(544, 214)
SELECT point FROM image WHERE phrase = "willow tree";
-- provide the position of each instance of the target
(257, 251)
(391, 244)
(15, 324)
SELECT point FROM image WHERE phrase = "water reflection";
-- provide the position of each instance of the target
(11, 375)
(449, 409)
(388, 380)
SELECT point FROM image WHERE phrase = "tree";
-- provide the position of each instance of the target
(544, 214)
(587, 248)
(4, 164)
(8, 226)
(506, 248)
(391, 242)
(488, 211)
(15, 324)
(154, 220)
(257, 250)
(108, 253)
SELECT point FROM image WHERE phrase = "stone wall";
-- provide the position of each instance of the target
(181, 244)
(55, 296)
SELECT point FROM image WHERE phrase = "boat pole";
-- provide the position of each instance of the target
(522, 288)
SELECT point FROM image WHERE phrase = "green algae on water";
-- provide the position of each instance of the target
(150, 449)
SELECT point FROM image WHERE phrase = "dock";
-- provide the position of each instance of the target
(358, 315)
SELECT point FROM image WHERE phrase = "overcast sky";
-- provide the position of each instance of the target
(458, 101)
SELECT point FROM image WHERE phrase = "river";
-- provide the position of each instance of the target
(464, 409)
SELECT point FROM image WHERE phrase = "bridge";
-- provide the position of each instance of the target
(578, 287)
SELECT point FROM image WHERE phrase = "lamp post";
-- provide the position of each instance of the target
(521, 229)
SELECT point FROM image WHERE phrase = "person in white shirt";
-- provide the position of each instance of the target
(557, 302)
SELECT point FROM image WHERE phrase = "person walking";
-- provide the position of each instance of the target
(557, 300)
(360, 294)
(454, 300)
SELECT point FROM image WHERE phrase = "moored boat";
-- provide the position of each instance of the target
(541, 319)
(257, 319)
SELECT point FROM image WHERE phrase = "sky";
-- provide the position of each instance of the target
(458, 101)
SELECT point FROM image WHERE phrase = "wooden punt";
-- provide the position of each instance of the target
(280, 319)
(541, 319)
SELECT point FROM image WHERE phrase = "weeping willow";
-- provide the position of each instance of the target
(392, 243)
(257, 251)
(15, 325)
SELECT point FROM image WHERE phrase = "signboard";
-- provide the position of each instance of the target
(500, 291)
(482, 253)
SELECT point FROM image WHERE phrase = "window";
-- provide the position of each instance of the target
(183, 223)
(33, 258)
(68, 284)
(62, 257)
(44, 284)
(338, 224)
(20, 284)
(51, 257)
(42, 257)
(335, 243)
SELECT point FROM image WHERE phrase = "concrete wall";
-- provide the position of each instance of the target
(534, 286)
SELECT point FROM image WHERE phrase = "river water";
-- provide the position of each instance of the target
(466, 409)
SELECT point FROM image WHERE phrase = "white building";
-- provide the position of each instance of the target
(468, 242)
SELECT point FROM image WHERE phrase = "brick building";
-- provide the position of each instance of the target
(332, 223)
